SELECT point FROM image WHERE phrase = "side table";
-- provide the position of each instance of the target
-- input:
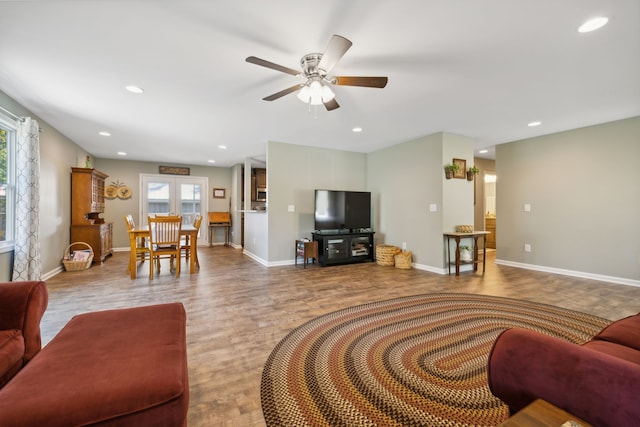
(541, 413)
(476, 259)
(306, 249)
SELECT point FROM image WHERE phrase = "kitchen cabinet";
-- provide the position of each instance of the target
(490, 226)
(254, 189)
(261, 178)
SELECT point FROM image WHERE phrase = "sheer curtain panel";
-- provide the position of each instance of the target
(27, 262)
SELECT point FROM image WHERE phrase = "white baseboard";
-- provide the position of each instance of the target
(429, 268)
(255, 258)
(581, 274)
(48, 275)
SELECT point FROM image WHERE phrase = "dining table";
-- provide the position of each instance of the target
(187, 230)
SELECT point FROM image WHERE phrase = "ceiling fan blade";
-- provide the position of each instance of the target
(336, 49)
(378, 82)
(331, 105)
(262, 62)
(283, 92)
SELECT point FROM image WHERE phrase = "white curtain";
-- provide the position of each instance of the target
(26, 261)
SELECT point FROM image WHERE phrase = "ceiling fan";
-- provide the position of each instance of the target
(315, 70)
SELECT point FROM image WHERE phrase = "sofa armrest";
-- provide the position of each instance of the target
(601, 389)
(22, 305)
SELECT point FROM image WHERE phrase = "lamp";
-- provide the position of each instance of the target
(315, 93)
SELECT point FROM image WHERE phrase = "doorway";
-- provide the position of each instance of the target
(174, 195)
(490, 207)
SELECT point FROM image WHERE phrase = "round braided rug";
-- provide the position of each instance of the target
(413, 361)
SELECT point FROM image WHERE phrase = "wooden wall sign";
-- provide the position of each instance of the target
(174, 170)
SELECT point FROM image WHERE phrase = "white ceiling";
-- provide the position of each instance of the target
(479, 68)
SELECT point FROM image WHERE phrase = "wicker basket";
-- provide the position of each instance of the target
(403, 260)
(464, 228)
(385, 254)
(76, 265)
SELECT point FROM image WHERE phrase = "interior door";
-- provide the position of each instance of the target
(174, 195)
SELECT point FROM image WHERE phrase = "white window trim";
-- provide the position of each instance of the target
(11, 125)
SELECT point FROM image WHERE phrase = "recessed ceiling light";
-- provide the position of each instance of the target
(211, 161)
(356, 129)
(533, 124)
(483, 151)
(104, 133)
(222, 147)
(134, 89)
(593, 24)
(121, 153)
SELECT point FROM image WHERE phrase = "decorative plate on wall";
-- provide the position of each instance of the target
(124, 192)
(111, 192)
(118, 190)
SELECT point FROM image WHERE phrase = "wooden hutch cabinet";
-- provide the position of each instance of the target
(87, 203)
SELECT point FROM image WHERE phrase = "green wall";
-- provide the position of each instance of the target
(293, 173)
(584, 194)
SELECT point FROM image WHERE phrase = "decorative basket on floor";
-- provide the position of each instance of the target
(464, 228)
(403, 260)
(385, 254)
(76, 265)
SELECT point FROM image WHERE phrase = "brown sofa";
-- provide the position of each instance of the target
(124, 367)
(598, 381)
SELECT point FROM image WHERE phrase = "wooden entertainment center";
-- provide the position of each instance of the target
(343, 247)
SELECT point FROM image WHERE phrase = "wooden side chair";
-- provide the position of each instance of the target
(141, 248)
(197, 221)
(164, 241)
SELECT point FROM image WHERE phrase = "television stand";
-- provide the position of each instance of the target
(343, 247)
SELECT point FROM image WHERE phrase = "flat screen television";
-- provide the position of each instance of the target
(340, 210)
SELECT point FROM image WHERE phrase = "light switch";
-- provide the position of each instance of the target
(433, 207)
(291, 208)
(527, 207)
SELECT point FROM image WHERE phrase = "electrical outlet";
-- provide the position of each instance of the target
(433, 207)
(527, 247)
(404, 246)
(291, 208)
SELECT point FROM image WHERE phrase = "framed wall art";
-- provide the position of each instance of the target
(461, 172)
(218, 193)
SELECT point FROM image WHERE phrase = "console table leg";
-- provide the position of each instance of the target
(457, 255)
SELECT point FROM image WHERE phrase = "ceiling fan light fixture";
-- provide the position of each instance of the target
(327, 94)
(304, 94)
(315, 93)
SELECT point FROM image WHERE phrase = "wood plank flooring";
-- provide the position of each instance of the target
(238, 310)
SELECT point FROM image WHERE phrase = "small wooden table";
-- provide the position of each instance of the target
(187, 230)
(474, 235)
(306, 249)
(541, 413)
(219, 219)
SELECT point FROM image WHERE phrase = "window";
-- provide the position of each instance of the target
(7, 168)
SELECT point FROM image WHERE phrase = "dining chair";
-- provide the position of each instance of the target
(186, 246)
(164, 241)
(141, 248)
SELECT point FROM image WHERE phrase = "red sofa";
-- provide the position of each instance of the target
(598, 381)
(124, 367)
(22, 305)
